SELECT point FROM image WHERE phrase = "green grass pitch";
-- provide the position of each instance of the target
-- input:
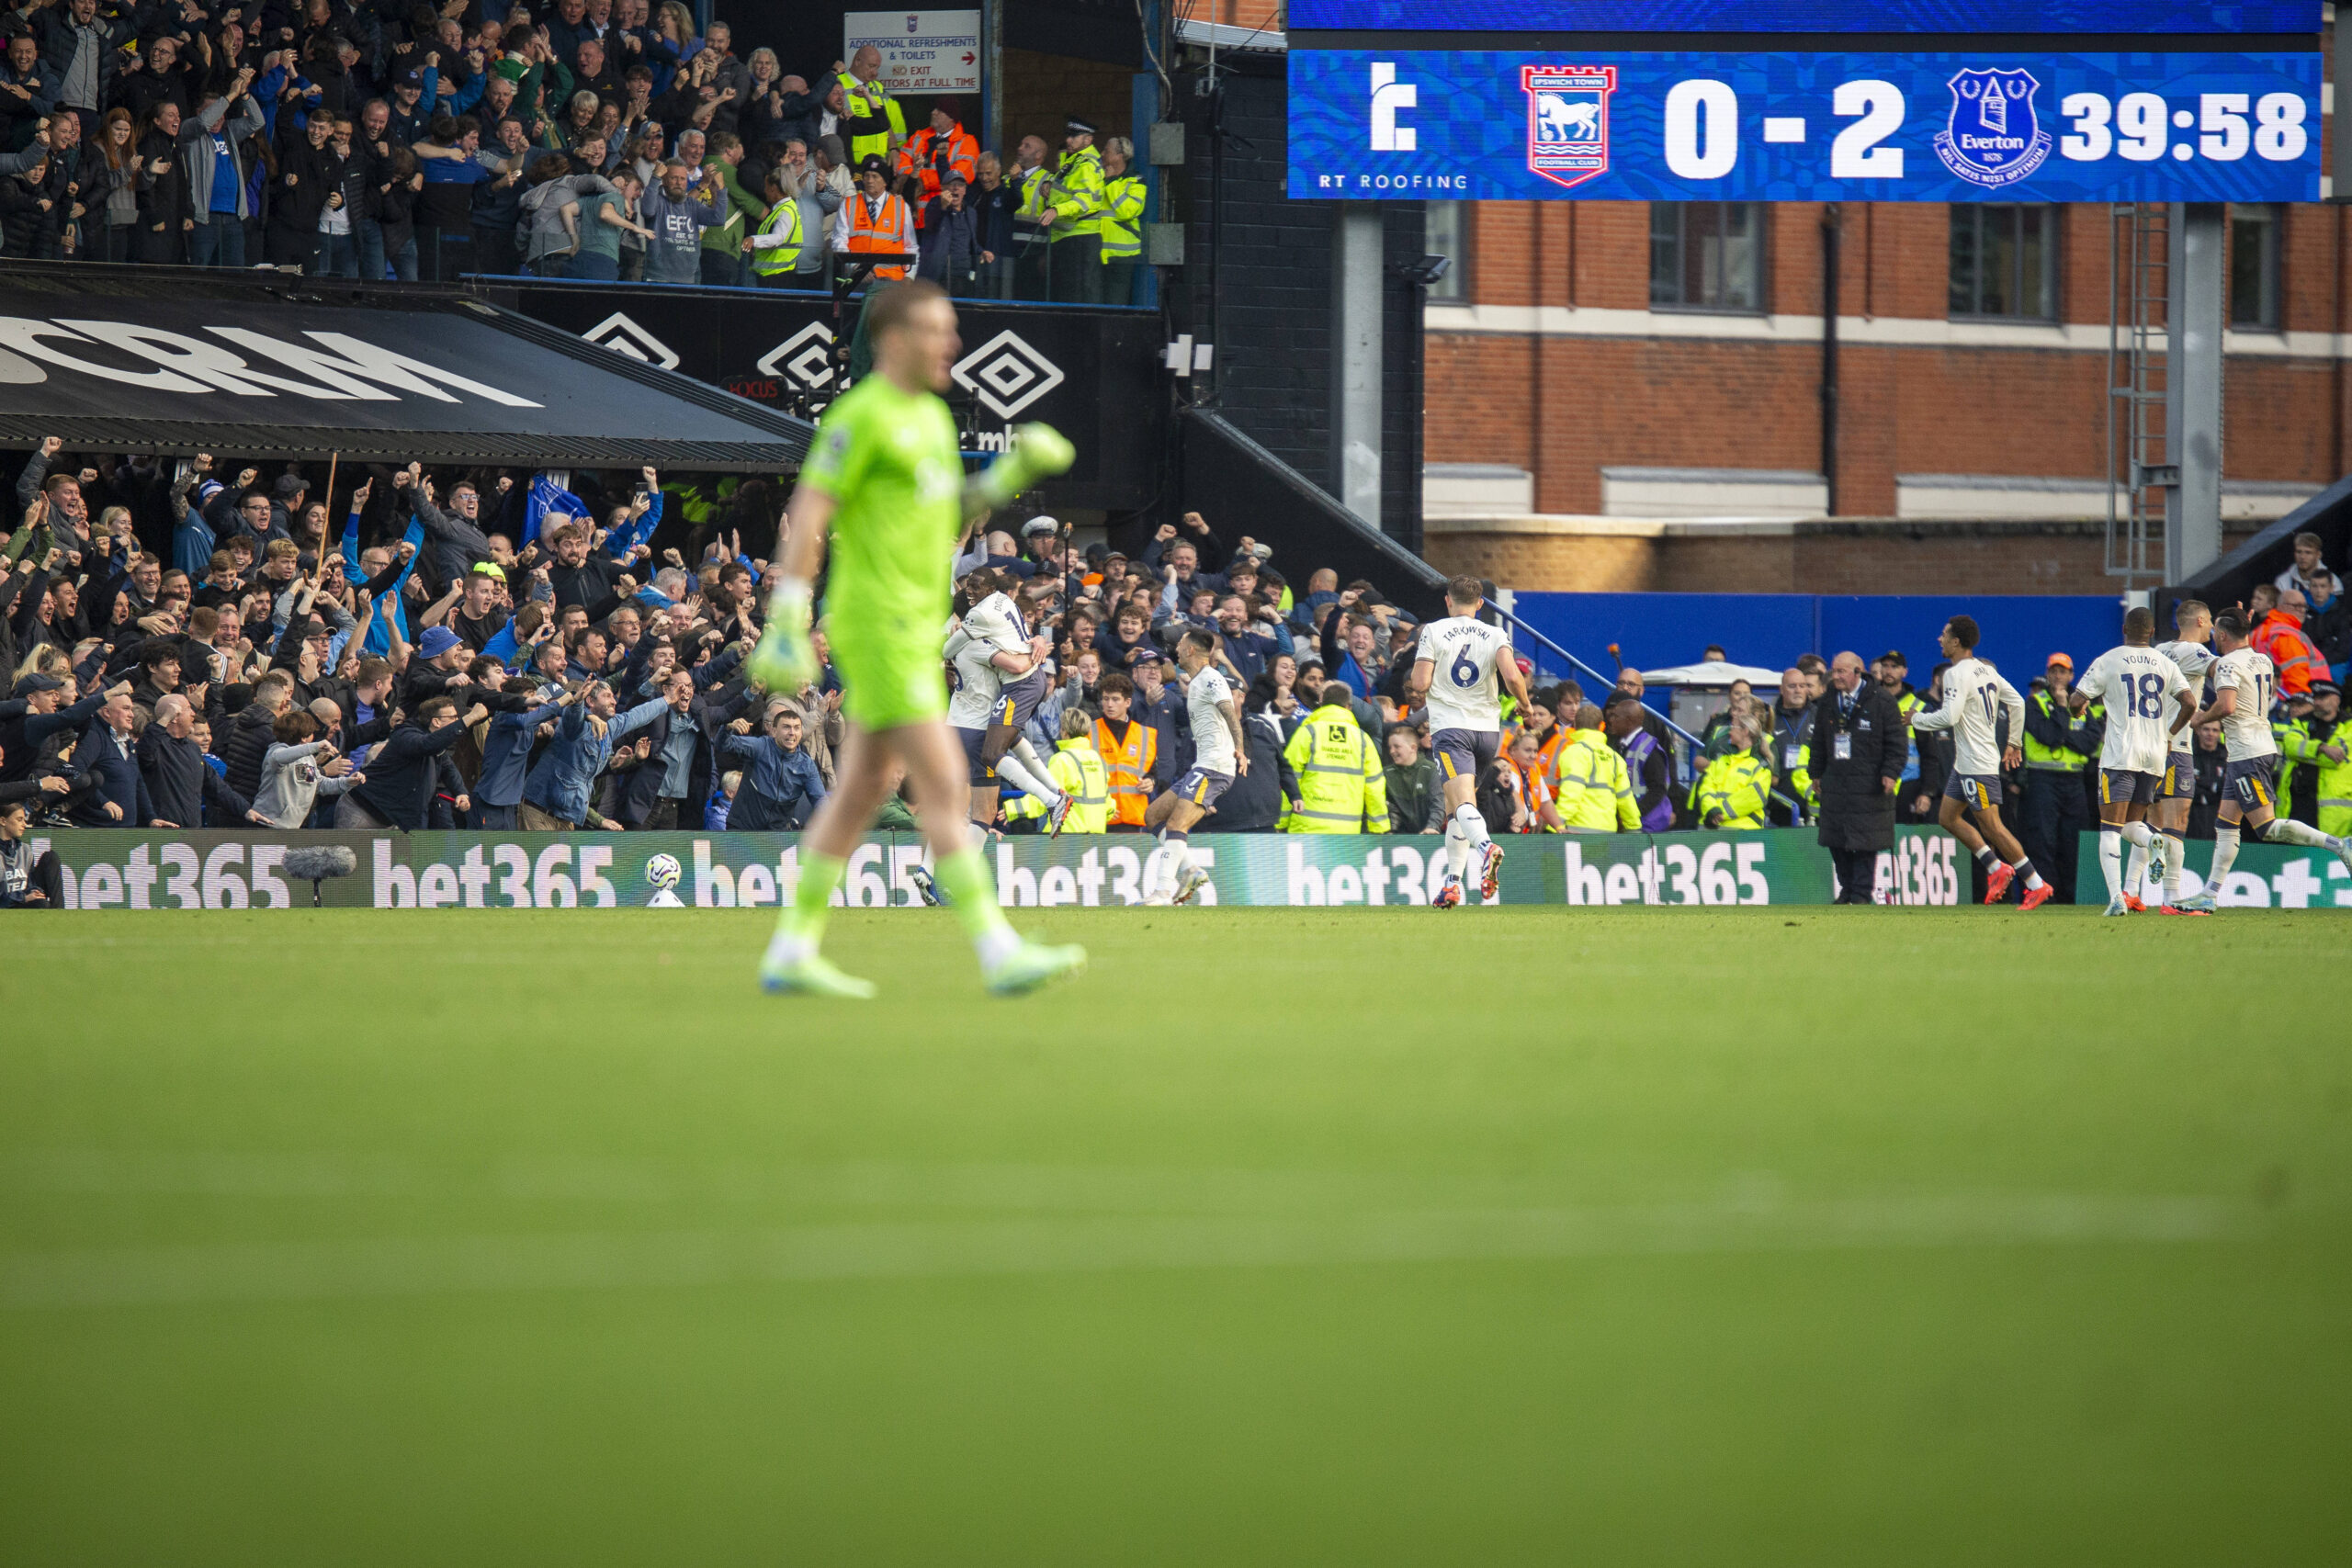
(1281, 1236)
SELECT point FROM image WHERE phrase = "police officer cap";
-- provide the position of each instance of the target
(1078, 125)
(2325, 689)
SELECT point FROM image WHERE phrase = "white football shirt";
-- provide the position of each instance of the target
(997, 620)
(1465, 692)
(1212, 741)
(2196, 661)
(978, 682)
(2245, 728)
(1974, 698)
(2141, 690)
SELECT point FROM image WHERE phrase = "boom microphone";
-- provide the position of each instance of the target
(314, 864)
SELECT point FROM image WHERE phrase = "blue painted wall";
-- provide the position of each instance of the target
(1654, 631)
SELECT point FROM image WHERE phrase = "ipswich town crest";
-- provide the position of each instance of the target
(1568, 120)
(1993, 137)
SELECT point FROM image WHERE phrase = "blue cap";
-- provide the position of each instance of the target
(436, 641)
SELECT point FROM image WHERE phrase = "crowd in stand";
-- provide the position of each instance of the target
(593, 138)
(190, 646)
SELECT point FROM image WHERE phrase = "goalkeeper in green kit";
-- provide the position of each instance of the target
(885, 482)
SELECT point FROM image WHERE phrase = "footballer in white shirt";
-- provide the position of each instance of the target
(2244, 685)
(1459, 669)
(2148, 701)
(1219, 756)
(1976, 699)
(2190, 649)
(1005, 618)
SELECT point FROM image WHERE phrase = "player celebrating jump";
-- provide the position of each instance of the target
(1218, 754)
(885, 481)
(1004, 751)
(1457, 668)
(2147, 700)
(2243, 682)
(1975, 696)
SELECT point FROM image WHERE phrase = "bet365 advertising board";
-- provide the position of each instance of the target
(120, 870)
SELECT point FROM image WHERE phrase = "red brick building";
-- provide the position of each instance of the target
(1628, 395)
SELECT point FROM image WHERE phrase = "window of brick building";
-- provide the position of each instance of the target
(1446, 233)
(1707, 255)
(2004, 261)
(2255, 236)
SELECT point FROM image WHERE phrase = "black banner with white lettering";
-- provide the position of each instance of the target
(248, 370)
(1093, 374)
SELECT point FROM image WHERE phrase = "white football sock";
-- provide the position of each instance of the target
(1457, 849)
(2176, 857)
(2287, 831)
(1028, 755)
(1474, 825)
(2032, 877)
(1015, 771)
(2226, 855)
(2110, 863)
(2135, 870)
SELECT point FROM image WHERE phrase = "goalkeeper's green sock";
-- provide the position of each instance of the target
(800, 926)
(964, 878)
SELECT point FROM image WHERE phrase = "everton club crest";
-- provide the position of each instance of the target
(1568, 120)
(1994, 138)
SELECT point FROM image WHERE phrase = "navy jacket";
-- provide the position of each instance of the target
(781, 788)
(180, 782)
(402, 772)
(119, 781)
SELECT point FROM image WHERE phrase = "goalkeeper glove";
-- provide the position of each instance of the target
(785, 660)
(1037, 452)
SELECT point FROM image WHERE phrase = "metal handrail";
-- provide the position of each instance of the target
(1609, 683)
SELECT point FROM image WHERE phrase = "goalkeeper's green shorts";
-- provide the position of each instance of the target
(887, 679)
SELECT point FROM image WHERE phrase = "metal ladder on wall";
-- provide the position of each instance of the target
(2141, 471)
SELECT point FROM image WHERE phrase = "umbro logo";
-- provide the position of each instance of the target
(806, 356)
(1007, 374)
(623, 336)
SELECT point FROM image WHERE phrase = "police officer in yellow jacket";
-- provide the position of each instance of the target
(1736, 785)
(1123, 199)
(1075, 768)
(2324, 744)
(1342, 788)
(1594, 795)
(1077, 205)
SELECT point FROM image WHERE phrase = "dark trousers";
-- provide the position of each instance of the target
(1031, 267)
(296, 248)
(337, 256)
(720, 269)
(1856, 875)
(1077, 269)
(372, 262)
(118, 242)
(2051, 816)
(495, 818)
(221, 243)
(495, 251)
(49, 881)
(444, 254)
(1119, 282)
(664, 817)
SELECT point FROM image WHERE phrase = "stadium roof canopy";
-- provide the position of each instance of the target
(263, 364)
